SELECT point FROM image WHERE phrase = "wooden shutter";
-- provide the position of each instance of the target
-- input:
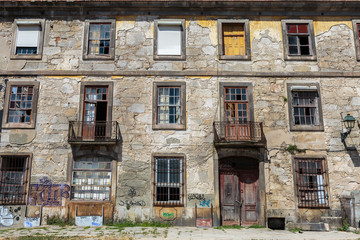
(233, 39)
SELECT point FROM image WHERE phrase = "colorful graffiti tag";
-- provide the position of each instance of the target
(48, 194)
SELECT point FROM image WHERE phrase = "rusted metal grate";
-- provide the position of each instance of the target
(312, 182)
(94, 131)
(13, 179)
(169, 181)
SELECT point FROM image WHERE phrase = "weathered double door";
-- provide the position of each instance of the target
(239, 197)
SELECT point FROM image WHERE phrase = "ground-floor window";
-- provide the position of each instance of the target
(91, 178)
(169, 180)
(13, 178)
(311, 182)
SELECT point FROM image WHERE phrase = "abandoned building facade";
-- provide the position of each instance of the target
(199, 113)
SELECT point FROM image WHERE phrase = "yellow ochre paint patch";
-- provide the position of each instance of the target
(201, 77)
(64, 76)
(117, 77)
(125, 22)
(324, 24)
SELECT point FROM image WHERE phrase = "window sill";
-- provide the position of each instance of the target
(169, 127)
(235, 57)
(169, 205)
(169, 57)
(18, 126)
(300, 58)
(310, 128)
(98, 57)
(26, 57)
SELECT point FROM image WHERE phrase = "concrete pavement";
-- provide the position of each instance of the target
(191, 233)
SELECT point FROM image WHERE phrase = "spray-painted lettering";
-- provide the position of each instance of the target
(132, 203)
(48, 194)
(196, 196)
(168, 215)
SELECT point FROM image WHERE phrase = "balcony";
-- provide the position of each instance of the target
(93, 132)
(243, 134)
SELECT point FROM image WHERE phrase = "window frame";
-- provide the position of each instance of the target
(325, 179)
(355, 24)
(310, 86)
(181, 23)
(250, 101)
(112, 171)
(16, 24)
(111, 55)
(180, 156)
(32, 124)
(312, 46)
(222, 55)
(26, 181)
(169, 126)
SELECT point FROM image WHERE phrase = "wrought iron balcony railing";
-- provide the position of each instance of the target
(238, 132)
(93, 132)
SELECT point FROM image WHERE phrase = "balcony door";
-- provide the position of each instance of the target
(236, 113)
(95, 113)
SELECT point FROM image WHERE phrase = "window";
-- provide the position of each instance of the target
(28, 39)
(169, 105)
(236, 104)
(356, 27)
(99, 40)
(169, 180)
(96, 112)
(305, 107)
(311, 182)
(14, 171)
(234, 40)
(298, 37)
(20, 102)
(91, 178)
(169, 38)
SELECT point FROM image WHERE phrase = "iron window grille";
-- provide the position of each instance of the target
(305, 108)
(14, 172)
(312, 182)
(91, 178)
(169, 181)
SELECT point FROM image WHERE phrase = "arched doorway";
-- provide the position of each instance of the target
(239, 191)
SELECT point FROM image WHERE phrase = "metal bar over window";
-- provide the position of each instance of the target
(312, 182)
(13, 179)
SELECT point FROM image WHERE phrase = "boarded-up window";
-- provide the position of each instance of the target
(91, 178)
(169, 39)
(233, 39)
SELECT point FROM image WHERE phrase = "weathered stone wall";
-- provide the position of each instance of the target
(59, 101)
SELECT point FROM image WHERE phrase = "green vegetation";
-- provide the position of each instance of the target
(345, 225)
(57, 220)
(295, 230)
(256, 226)
(284, 98)
(294, 149)
(229, 227)
(47, 238)
(127, 223)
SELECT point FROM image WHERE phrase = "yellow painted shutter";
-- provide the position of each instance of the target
(233, 39)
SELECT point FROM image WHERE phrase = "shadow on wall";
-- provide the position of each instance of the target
(354, 155)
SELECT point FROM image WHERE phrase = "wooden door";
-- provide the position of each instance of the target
(249, 195)
(230, 199)
(89, 121)
(233, 39)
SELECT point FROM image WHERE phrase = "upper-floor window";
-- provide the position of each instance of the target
(14, 174)
(169, 105)
(299, 42)
(305, 107)
(28, 39)
(234, 39)
(311, 182)
(20, 105)
(169, 39)
(99, 39)
(356, 27)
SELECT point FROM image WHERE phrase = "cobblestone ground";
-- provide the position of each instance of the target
(129, 233)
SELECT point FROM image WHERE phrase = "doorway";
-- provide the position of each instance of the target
(95, 114)
(239, 192)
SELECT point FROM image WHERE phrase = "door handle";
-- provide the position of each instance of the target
(238, 202)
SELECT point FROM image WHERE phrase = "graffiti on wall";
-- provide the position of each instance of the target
(196, 196)
(48, 194)
(89, 221)
(132, 203)
(132, 192)
(168, 214)
(204, 203)
(32, 222)
(9, 215)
